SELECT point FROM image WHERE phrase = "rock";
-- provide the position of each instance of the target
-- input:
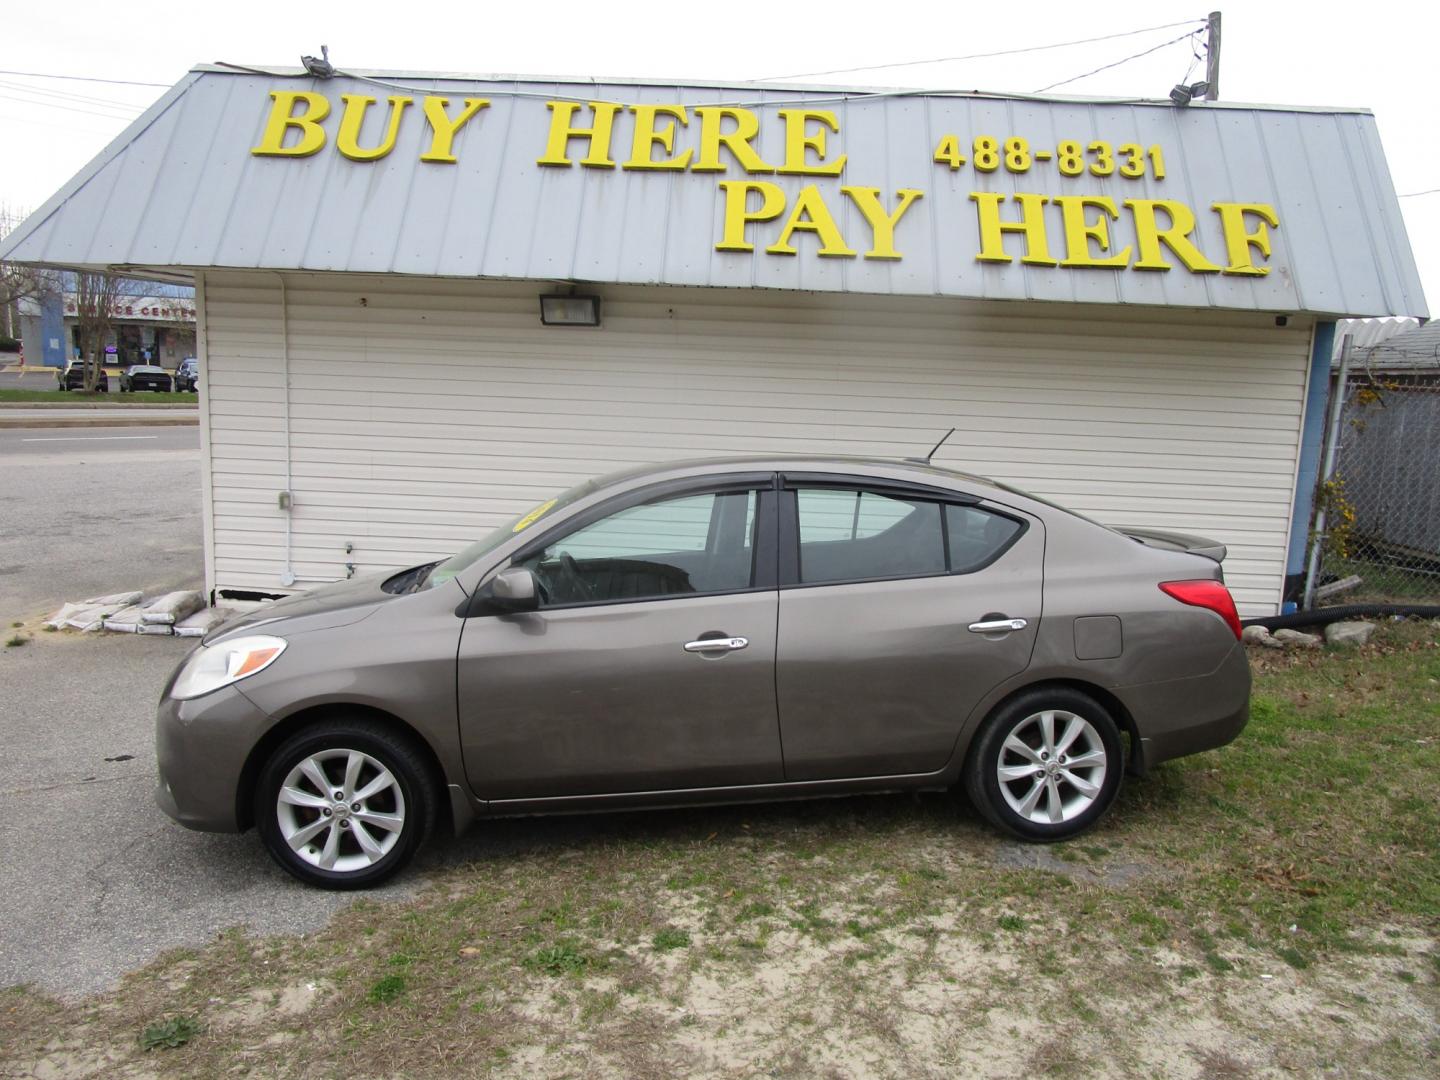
(1298, 639)
(1260, 635)
(1349, 633)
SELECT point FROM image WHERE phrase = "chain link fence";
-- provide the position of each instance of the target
(1381, 542)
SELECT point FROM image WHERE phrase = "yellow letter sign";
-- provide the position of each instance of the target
(282, 119)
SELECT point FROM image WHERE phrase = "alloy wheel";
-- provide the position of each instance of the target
(340, 810)
(1051, 766)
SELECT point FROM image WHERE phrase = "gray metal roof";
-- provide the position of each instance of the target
(180, 190)
(1414, 349)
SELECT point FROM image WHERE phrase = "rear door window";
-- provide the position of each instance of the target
(977, 537)
(855, 534)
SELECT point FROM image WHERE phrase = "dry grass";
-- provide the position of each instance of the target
(1269, 905)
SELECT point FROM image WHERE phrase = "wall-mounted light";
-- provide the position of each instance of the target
(570, 310)
(1183, 95)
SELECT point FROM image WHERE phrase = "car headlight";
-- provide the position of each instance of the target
(213, 666)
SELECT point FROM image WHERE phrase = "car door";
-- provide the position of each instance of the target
(895, 609)
(650, 664)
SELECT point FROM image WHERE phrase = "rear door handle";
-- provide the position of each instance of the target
(729, 644)
(993, 626)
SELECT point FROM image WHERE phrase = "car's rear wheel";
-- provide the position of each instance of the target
(1047, 765)
(345, 804)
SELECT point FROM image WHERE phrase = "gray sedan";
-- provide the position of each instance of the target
(733, 629)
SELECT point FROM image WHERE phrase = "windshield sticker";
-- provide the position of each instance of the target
(534, 515)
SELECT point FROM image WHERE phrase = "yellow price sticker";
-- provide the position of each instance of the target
(534, 515)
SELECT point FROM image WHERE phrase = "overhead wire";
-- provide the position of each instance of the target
(40, 97)
(1417, 194)
(797, 96)
(83, 78)
(1117, 63)
(68, 108)
(989, 55)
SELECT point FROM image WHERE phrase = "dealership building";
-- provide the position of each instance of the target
(427, 302)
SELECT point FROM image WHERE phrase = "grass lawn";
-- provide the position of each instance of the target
(1270, 908)
(76, 397)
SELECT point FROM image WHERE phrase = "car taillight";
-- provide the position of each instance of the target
(1206, 594)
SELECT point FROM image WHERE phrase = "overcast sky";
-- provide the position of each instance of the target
(1378, 54)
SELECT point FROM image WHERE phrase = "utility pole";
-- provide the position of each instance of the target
(1212, 58)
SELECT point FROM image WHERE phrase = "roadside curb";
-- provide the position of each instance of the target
(140, 406)
(98, 421)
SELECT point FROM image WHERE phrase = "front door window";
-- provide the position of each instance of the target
(690, 545)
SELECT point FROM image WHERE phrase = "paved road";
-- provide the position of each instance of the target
(96, 510)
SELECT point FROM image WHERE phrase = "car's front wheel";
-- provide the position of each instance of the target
(1047, 765)
(345, 804)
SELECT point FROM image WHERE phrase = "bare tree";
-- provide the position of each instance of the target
(20, 283)
(95, 296)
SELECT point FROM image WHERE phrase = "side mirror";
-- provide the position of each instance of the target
(512, 590)
(515, 589)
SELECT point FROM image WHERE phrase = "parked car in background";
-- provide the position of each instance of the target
(73, 378)
(187, 375)
(710, 631)
(144, 377)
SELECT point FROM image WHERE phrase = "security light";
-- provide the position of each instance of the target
(1183, 95)
(570, 310)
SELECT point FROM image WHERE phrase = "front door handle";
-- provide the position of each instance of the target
(994, 626)
(728, 644)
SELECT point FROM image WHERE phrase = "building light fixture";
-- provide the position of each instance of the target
(570, 310)
(1181, 94)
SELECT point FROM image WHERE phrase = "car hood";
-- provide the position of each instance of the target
(1174, 541)
(321, 608)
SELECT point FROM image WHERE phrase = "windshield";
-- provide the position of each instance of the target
(463, 560)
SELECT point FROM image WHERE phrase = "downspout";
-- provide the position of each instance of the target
(1312, 440)
(1332, 445)
(287, 496)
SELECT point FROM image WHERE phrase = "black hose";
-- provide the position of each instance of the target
(1328, 615)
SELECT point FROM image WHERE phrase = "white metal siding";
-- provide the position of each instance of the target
(425, 411)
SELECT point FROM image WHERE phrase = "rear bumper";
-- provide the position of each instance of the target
(1188, 716)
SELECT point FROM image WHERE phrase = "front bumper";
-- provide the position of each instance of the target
(201, 747)
(1186, 716)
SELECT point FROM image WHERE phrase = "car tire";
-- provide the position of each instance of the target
(1022, 773)
(362, 847)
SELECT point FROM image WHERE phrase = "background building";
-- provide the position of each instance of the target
(154, 323)
(1128, 307)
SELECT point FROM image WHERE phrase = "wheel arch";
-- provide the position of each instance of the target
(336, 710)
(1112, 704)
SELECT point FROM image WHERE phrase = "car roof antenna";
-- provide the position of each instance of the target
(926, 459)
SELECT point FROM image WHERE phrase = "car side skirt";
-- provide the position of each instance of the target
(716, 796)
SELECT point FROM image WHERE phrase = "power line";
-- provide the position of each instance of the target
(988, 55)
(1117, 63)
(75, 99)
(68, 108)
(1416, 194)
(83, 78)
